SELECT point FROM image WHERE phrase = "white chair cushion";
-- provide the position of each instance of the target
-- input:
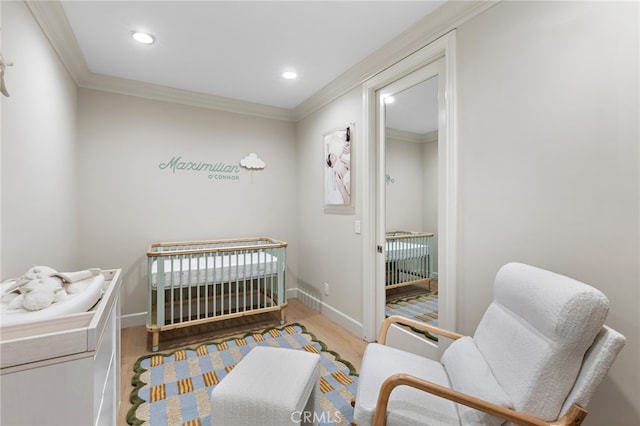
(597, 362)
(407, 406)
(535, 333)
(469, 373)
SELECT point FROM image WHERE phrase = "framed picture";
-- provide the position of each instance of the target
(338, 194)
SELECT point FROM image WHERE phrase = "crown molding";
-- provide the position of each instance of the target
(404, 136)
(53, 21)
(185, 97)
(433, 26)
(430, 137)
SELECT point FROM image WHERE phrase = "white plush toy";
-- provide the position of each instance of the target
(42, 286)
(42, 292)
(38, 288)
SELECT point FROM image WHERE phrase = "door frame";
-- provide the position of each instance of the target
(373, 188)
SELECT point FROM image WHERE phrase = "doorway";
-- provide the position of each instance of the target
(433, 61)
(410, 116)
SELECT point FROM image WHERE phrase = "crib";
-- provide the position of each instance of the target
(196, 282)
(408, 258)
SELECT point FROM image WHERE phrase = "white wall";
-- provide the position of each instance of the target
(549, 171)
(405, 194)
(1, 156)
(329, 250)
(412, 199)
(126, 201)
(38, 150)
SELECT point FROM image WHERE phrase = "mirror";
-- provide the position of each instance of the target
(411, 210)
(435, 59)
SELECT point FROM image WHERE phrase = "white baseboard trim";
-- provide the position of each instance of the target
(339, 317)
(133, 320)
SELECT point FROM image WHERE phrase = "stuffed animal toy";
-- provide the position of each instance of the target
(42, 292)
(13, 300)
(32, 274)
(42, 286)
(36, 289)
(39, 272)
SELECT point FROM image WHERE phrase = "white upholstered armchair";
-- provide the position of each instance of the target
(536, 358)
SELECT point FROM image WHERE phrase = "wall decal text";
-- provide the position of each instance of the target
(216, 170)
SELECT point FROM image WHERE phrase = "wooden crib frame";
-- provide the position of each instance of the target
(408, 258)
(196, 282)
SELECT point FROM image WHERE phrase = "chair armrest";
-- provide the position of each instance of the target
(574, 416)
(397, 319)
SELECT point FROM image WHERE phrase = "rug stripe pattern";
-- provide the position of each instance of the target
(423, 308)
(174, 389)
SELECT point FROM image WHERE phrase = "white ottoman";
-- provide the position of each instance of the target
(269, 386)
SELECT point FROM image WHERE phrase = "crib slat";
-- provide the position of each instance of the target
(236, 280)
(221, 285)
(206, 287)
(245, 274)
(189, 297)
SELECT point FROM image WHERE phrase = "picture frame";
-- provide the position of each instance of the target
(337, 170)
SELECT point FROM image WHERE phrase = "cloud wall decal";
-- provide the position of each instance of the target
(252, 162)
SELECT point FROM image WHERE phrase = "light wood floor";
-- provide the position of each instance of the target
(135, 341)
(413, 290)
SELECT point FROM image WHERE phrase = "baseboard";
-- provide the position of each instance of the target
(133, 320)
(292, 293)
(335, 315)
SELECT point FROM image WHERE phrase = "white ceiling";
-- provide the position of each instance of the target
(238, 49)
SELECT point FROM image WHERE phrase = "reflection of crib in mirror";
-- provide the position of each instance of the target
(408, 258)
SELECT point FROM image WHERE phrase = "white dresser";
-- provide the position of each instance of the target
(66, 370)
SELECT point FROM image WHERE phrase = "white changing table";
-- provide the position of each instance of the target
(64, 370)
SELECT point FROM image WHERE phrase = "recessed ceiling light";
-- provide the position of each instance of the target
(289, 75)
(143, 38)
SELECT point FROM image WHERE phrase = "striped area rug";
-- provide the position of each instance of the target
(423, 308)
(174, 388)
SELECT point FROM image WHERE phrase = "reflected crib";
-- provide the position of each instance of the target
(408, 258)
(196, 282)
